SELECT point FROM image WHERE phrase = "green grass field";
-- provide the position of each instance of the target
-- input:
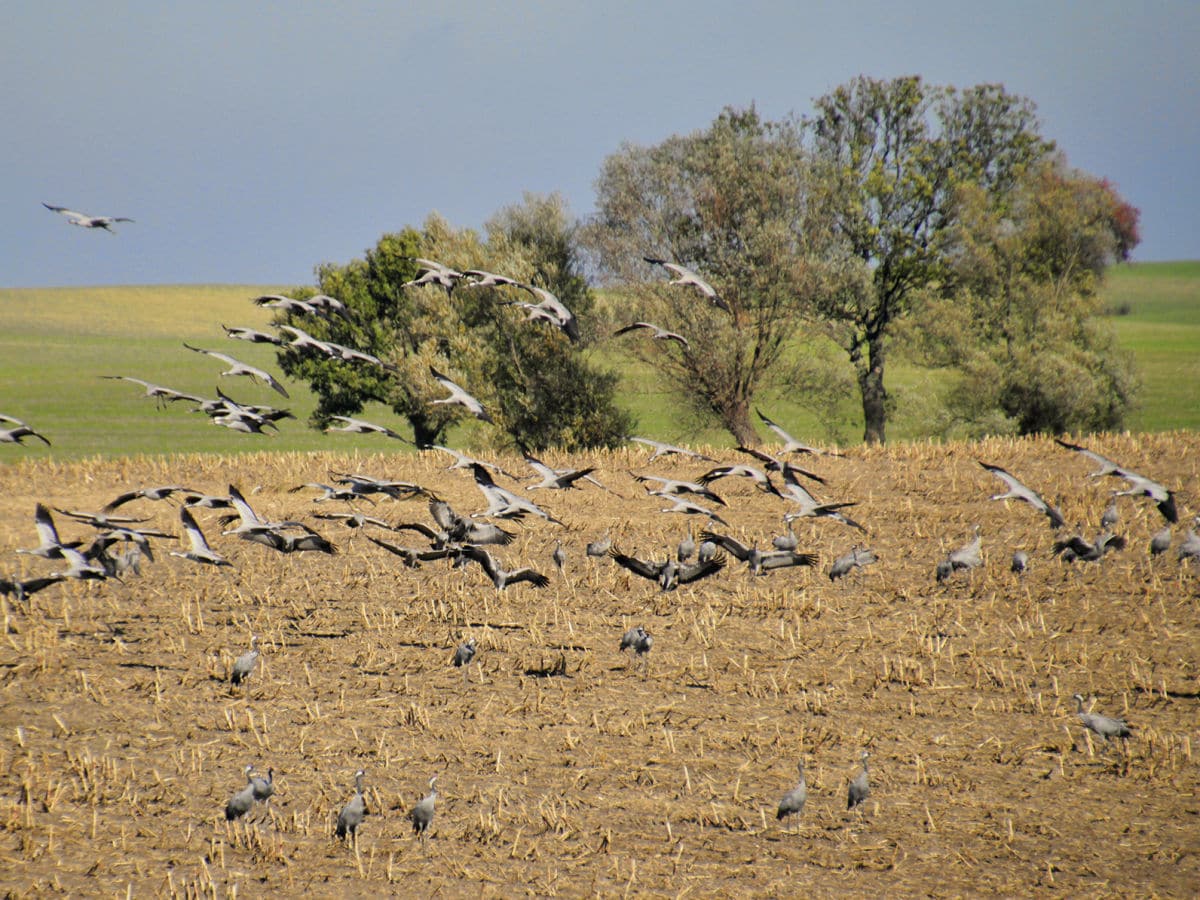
(55, 343)
(1162, 328)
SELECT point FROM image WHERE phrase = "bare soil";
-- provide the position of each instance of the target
(564, 768)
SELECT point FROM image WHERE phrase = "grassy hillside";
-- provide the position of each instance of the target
(55, 343)
(1162, 328)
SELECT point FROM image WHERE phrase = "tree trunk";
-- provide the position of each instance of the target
(874, 394)
(736, 419)
(424, 433)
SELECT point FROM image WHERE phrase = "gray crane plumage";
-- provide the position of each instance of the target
(786, 542)
(241, 802)
(860, 786)
(158, 393)
(660, 334)
(637, 639)
(1110, 516)
(550, 309)
(792, 803)
(200, 552)
(599, 548)
(16, 435)
(421, 815)
(1104, 726)
(790, 444)
(22, 590)
(759, 562)
(244, 664)
(458, 396)
(500, 577)
(50, 546)
(83, 220)
(686, 548)
(677, 486)
(967, 557)
(354, 811)
(855, 559)
(1190, 548)
(465, 653)
(236, 367)
(79, 567)
(1163, 498)
(264, 788)
(663, 449)
(685, 507)
(284, 304)
(503, 503)
(251, 335)
(686, 276)
(1078, 547)
(360, 426)
(1161, 541)
(1018, 491)
(669, 574)
(433, 272)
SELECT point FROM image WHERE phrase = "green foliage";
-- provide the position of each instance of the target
(1018, 310)
(1073, 378)
(893, 157)
(539, 389)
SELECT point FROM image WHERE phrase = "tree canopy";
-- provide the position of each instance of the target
(726, 202)
(893, 156)
(539, 388)
(1017, 313)
(845, 224)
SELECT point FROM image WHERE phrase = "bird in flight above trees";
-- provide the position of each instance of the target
(481, 278)
(360, 426)
(660, 334)
(85, 221)
(685, 275)
(253, 336)
(433, 272)
(459, 396)
(550, 309)
(284, 304)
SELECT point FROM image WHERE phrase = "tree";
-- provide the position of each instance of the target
(1017, 310)
(892, 157)
(540, 389)
(729, 203)
(548, 392)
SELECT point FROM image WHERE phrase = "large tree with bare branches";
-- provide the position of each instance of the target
(728, 203)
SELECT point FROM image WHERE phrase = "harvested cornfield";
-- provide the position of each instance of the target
(565, 767)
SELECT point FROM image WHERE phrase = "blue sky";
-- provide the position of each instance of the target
(254, 141)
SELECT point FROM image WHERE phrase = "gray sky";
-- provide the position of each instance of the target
(252, 141)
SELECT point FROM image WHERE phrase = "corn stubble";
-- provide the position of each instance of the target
(561, 769)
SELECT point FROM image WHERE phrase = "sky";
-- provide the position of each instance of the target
(251, 142)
